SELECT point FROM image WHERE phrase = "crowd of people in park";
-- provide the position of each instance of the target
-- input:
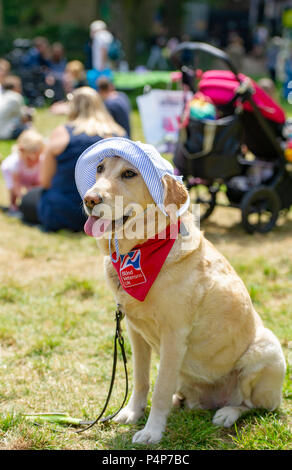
(39, 173)
(269, 54)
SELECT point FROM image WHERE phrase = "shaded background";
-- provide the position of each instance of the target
(136, 21)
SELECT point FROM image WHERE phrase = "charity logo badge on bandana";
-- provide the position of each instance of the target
(131, 273)
(138, 269)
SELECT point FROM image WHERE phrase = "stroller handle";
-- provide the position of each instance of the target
(207, 48)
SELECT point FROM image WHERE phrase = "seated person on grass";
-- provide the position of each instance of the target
(56, 203)
(11, 104)
(21, 169)
(116, 102)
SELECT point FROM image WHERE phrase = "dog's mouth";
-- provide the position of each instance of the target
(97, 226)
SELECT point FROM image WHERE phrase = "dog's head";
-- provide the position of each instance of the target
(120, 198)
(121, 182)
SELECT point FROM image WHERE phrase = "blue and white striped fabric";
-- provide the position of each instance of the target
(144, 157)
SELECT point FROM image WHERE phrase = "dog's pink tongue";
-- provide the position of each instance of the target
(96, 227)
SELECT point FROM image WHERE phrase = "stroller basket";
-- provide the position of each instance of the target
(210, 149)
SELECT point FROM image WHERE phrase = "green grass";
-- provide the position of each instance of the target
(57, 327)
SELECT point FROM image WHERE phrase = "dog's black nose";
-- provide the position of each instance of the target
(91, 200)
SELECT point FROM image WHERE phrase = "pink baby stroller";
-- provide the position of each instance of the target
(216, 154)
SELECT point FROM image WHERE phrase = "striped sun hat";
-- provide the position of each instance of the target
(151, 165)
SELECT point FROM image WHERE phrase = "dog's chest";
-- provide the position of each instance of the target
(140, 315)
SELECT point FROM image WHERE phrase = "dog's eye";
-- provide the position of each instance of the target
(128, 174)
(99, 169)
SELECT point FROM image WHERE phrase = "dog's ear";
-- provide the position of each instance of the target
(175, 195)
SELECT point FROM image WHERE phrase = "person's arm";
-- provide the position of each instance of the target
(16, 185)
(56, 145)
(104, 56)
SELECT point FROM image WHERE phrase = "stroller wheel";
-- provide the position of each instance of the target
(204, 196)
(260, 209)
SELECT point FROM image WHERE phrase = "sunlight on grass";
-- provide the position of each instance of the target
(264, 433)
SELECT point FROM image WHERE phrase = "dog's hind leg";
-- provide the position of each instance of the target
(262, 374)
(141, 353)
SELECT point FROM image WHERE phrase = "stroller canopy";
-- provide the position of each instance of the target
(221, 86)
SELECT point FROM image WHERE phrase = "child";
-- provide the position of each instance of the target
(74, 76)
(21, 168)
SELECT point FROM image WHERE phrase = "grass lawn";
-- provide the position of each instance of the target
(57, 326)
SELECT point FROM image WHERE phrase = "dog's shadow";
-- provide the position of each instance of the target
(186, 430)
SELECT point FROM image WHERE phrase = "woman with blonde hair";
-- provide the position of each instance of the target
(74, 76)
(57, 204)
(91, 116)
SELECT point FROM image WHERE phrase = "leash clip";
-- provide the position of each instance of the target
(119, 317)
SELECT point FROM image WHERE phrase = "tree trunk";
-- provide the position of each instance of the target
(132, 20)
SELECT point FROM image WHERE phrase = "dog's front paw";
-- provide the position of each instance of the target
(129, 415)
(147, 436)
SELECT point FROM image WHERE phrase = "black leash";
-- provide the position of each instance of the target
(120, 340)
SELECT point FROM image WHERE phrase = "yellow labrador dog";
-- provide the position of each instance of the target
(215, 352)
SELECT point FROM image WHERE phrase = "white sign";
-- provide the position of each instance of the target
(160, 112)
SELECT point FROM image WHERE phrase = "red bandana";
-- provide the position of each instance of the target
(138, 269)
